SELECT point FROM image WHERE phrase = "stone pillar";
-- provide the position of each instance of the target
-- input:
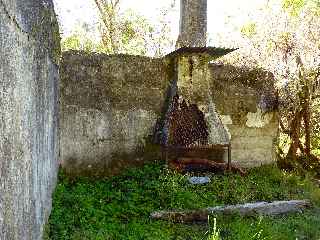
(193, 23)
(192, 72)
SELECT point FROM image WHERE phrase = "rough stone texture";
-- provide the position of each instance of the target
(194, 86)
(109, 107)
(199, 180)
(246, 101)
(110, 104)
(263, 208)
(28, 116)
(193, 23)
(248, 209)
(240, 106)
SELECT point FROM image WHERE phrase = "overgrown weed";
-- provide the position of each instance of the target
(119, 207)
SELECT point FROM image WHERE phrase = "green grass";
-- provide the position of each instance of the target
(316, 152)
(119, 207)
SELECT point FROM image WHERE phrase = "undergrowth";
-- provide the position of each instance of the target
(119, 207)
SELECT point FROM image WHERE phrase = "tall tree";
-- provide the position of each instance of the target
(109, 12)
(128, 32)
(286, 42)
(80, 39)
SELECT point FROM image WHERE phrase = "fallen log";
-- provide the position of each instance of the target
(248, 209)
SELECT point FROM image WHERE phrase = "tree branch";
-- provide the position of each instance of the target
(283, 128)
(108, 16)
(102, 12)
(315, 97)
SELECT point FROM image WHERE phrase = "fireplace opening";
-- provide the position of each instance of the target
(191, 137)
(187, 124)
(186, 145)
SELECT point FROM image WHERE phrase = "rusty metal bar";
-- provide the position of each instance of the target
(229, 157)
(215, 146)
(164, 156)
(187, 130)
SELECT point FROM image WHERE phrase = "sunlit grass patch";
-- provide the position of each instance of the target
(119, 207)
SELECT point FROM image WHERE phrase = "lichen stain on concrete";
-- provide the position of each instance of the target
(29, 78)
(257, 119)
(226, 119)
(106, 116)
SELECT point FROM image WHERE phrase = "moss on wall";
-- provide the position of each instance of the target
(29, 116)
(109, 107)
(238, 94)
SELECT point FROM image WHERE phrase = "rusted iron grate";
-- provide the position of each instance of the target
(187, 132)
(187, 125)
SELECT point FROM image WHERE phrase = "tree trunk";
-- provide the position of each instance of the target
(295, 134)
(306, 121)
(193, 23)
(108, 14)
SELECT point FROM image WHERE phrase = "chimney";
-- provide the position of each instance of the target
(193, 23)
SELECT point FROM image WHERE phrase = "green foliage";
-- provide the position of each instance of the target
(71, 42)
(80, 40)
(215, 233)
(294, 7)
(119, 207)
(314, 6)
(290, 227)
(135, 35)
(135, 32)
(316, 151)
(122, 32)
(249, 30)
(76, 42)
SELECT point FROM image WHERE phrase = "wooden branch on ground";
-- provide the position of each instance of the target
(248, 209)
(187, 164)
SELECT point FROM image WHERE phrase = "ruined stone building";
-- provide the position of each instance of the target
(108, 118)
(111, 106)
(107, 109)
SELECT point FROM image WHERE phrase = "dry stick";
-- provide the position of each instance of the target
(219, 167)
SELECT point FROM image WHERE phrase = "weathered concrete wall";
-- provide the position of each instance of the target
(109, 107)
(28, 116)
(245, 100)
(238, 104)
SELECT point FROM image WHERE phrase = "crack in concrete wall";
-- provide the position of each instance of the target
(13, 19)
